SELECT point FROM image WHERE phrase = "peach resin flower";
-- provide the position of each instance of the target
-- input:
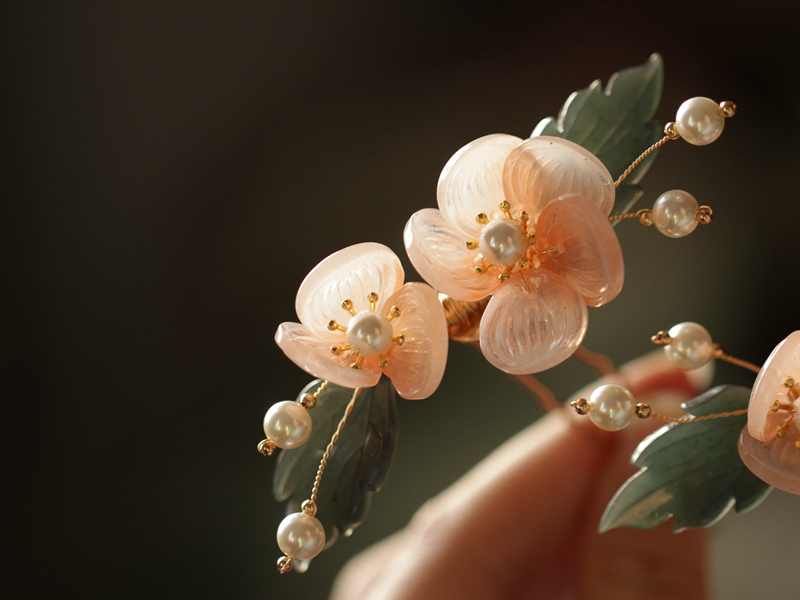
(770, 444)
(358, 320)
(527, 222)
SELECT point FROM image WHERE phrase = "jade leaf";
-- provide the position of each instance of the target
(691, 471)
(615, 124)
(358, 464)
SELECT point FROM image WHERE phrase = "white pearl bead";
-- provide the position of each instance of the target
(611, 407)
(691, 346)
(301, 536)
(700, 121)
(674, 213)
(288, 424)
(369, 333)
(503, 242)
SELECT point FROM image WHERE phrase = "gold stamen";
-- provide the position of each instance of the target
(348, 306)
(358, 364)
(506, 208)
(523, 218)
(504, 276)
(383, 362)
(482, 218)
(393, 313)
(373, 299)
(333, 325)
(337, 350)
(399, 340)
(788, 382)
(482, 268)
(472, 244)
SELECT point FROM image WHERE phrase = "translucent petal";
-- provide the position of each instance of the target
(472, 181)
(533, 322)
(348, 274)
(416, 367)
(438, 252)
(312, 354)
(776, 463)
(587, 252)
(782, 363)
(542, 168)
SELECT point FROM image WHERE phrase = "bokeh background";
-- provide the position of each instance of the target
(173, 170)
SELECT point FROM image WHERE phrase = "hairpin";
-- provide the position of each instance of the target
(521, 244)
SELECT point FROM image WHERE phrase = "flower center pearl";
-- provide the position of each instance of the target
(369, 333)
(503, 242)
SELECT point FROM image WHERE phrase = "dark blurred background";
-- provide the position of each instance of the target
(172, 172)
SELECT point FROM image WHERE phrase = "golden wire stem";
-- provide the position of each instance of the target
(721, 415)
(719, 354)
(644, 155)
(601, 364)
(335, 437)
(645, 216)
(546, 399)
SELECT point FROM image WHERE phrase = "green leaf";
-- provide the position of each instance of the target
(615, 124)
(358, 464)
(691, 471)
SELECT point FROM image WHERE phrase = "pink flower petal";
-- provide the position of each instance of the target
(776, 463)
(533, 322)
(438, 252)
(312, 354)
(782, 363)
(348, 274)
(416, 367)
(472, 181)
(587, 253)
(542, 168)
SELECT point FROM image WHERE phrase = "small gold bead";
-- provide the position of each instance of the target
(523, 216)
(671, 130)
(480, 268)
(704, 215)
(717, 351)
(789, 382)
(645, 217)
(347, 304)
(355, 366)
(728, 108)
(333, 325)
(643, 410)
(284, 564)
(400, 340)
(336, 350)
(780, 432)
(581, 406)
(662, 338)
(504, 205)
(384, 362)
(308, 401)
(532, 238)
(523, 263)
(482, 218)
(266, 447)
(472, 244)
(776, 406)
(503, 276)
(309, 507)
(394, 311)
(372, 297)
